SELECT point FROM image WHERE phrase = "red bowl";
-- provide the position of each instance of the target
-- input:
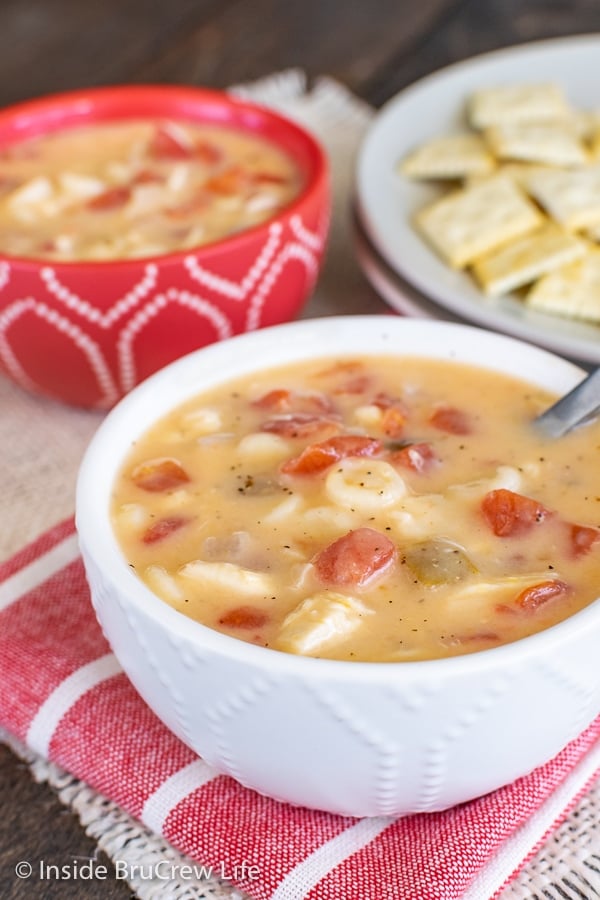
(87, 332)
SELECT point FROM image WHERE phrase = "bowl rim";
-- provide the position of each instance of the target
(93, 523)
(85, 103)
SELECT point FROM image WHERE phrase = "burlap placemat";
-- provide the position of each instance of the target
(43, 443)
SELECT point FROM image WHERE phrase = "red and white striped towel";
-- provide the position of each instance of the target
(64, 695)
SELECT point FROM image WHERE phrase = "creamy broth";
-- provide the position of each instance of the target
(137, 188)
(365, 509)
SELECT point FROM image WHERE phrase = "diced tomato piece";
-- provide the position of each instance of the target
(312, 402)
(479, 637)
(354, 445)
(278, 399)
(452, 420)
(166, 144)
(282, 400)
(25, 150)
(159, 475)
(384, 401)
(393, 421)
(163, 528)
(355, 558)
(490, 636)
(299, 425)
(7, 183)
(353, 378)
(147, 176)
(582, 538)
(47, 246)
(318, 457)
(505, 609)
(231, 181)
(208, 153)
(313, 459)
(269, 178)
(111, 199)
(194, 205)
(508, 513)
(394, 415)
(244, 618)
(348, 366)
(357, 384)
(418, 457)
(533, 597)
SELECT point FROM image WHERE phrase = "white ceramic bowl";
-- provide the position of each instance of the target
(354, 738)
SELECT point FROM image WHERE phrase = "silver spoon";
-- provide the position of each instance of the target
(578, 406)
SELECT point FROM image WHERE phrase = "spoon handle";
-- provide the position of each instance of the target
(575, 408)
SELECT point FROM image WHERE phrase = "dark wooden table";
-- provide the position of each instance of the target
(375, 47)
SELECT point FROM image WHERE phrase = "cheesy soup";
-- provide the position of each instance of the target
(365, 509)
(137, 188)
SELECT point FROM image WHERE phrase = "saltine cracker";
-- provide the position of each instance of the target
(537, 142)
(516, 103)
(572, 291)
(526, 259)
(477, 219)
(450, 156)
(570, 196)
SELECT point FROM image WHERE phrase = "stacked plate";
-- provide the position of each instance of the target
(394, 257)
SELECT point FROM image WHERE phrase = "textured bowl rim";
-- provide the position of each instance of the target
(86, 105)
(178, 380)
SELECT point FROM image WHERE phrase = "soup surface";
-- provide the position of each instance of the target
(137, 188)
(365, 509)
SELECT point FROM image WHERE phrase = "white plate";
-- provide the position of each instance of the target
(389, 285)
(386, 202)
